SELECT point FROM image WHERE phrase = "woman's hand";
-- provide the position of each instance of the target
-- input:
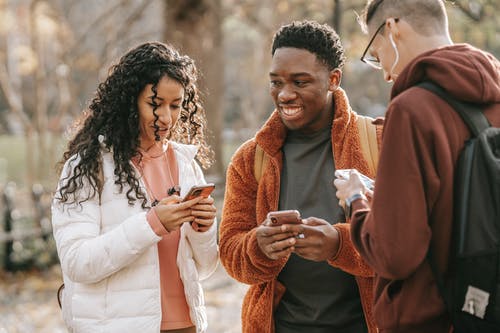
(173, 213)
(204, 214)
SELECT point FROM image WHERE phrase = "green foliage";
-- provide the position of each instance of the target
(13, 154)
(483, 32)
(12, 159)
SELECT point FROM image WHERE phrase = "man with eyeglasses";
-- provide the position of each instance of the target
(412, 205)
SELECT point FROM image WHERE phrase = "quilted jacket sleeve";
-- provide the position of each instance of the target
(240, 253)
(86, 254)
(203, 244)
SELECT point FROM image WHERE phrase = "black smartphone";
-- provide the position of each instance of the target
(284, 217)
(199, 190)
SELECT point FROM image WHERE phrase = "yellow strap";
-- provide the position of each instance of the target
(368, 140)
(260, 162)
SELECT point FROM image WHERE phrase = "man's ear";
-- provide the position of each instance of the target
(335, 77)
(392, 26)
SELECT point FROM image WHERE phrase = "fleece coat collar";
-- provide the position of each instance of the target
(344, 129)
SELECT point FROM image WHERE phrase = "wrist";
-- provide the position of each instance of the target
(350, 200)
(336, 243)
(155, 222)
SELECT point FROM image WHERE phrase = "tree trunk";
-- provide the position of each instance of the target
(40, 115)
(337, 16)
(194, 27)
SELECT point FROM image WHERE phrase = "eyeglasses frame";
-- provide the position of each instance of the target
(363, 57)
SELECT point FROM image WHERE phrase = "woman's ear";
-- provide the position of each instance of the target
(335, 78)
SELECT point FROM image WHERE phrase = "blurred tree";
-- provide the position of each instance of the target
(476, 22)
(249, 27)
(194, 26)
(477, 10)
(52, 53)
(50, 56)
(24, 56)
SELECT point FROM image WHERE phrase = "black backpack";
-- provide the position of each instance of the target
(471, 289)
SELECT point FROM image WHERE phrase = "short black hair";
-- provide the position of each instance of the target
(316, 38)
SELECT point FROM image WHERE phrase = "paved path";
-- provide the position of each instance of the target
(28, 302)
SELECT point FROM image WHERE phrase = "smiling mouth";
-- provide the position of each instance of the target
(291, 112)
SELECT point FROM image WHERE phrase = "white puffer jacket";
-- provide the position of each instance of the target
(109, 257)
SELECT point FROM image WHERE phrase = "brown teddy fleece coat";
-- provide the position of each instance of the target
(247, 203)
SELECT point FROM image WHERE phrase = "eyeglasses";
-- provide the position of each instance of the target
(366, 57)
(369, 59)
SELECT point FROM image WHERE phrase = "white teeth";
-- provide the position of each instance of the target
(290, 111)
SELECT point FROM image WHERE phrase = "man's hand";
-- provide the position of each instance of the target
(275, 242)
(350, 186)
(320, 240)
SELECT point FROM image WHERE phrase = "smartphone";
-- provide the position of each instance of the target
(344, 173)
(199, 190)
(284, 217)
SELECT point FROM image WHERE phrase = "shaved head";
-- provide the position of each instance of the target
(427, 17)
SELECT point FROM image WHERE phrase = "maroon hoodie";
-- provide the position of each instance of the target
(412, 205)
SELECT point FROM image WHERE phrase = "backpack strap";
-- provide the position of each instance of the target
(475, 120)
(471, 114)
(368, 141)
(260, 162)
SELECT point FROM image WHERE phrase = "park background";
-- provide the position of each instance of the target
(53, 53)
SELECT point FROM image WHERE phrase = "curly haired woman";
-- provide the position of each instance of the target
(132, 252)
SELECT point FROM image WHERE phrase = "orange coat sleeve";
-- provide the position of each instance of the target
(348, 258)
(239, 252)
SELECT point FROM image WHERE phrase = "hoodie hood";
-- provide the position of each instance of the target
(467, 73)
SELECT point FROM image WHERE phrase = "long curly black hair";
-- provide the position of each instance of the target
(111, 121)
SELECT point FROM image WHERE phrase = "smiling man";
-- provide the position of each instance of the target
(306, 277)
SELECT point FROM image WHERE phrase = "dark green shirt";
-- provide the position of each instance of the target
(319, 298)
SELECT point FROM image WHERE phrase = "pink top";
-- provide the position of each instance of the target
(160, 172)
